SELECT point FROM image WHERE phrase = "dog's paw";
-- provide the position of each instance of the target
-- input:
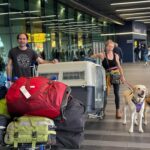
(124, 123)
(130, 130)
(141, 130)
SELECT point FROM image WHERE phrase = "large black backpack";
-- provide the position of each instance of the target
(3, 89)
(4, 120)
(70, 131)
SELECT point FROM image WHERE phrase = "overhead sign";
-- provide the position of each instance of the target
(37, 37)
(129, 41)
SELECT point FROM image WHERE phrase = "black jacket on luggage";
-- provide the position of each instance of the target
(70, 132)
(4, 120)
(3, 91)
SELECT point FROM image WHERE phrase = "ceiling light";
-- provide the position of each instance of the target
(138, 17)
(58, 27)
(91, 27)
(143, 20)
(123, 33)
(62, 26)
(70, 19)
(132, 9)
(53, 24)
(11, 13)
(76, 22)
(33, 11)
(40, 17)
(133, 14)
(3, 4)
(84, 25)
(49, 16)
(54, 20)
(23, 18)
(78, 25)
(128, 3)
(19, 12)
(44, 21)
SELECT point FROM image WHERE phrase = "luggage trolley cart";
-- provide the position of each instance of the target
(86, 79)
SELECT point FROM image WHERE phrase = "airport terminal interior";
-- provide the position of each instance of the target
(71, 31)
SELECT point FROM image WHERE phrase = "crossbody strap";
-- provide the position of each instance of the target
(107, 60)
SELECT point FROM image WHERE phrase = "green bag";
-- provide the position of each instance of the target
(30, 130)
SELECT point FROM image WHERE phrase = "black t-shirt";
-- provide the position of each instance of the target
(22, 61)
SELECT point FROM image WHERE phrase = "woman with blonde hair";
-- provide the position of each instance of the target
(111, 64)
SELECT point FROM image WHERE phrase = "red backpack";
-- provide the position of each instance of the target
(37, 96)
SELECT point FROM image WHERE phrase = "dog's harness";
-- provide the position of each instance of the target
(138, 105)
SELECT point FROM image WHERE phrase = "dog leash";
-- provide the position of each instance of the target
(130, 86)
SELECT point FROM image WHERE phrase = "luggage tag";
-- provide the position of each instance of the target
(25, 92)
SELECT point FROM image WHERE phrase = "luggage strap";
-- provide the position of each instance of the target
(16, 134)
(65, 102)
(34, 133)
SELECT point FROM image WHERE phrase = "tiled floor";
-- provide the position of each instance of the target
(111, 134)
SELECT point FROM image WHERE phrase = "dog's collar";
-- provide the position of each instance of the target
(138, 105)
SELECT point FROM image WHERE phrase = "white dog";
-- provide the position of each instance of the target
(134, 98)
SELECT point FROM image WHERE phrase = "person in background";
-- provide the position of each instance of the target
(136, 53)
(118, 51)
(82, 54)
(2, 64)
(21, 58)
(145, 55)
(143, 51)
(42, 54)
(90, 52)
(3, 89)
(108, 56)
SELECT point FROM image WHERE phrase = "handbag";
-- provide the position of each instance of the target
(114, 77)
